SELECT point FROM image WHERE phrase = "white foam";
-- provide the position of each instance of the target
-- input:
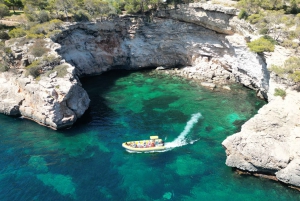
(181, 139)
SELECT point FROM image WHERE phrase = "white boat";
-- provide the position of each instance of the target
(153, 144)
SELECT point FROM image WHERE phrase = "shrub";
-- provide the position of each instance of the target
(4, 35)
(43, 16)
(4, 10)
(4, 67)
(289, 44)
(243, 14)
(7, 50)
(255, 18)
(278, 70)
(51, 60)
(295, 76)
(35, 36)
(16, 33)
(264, 31)
(34, 69)
(53, 33)
(60, 69)
(82, 16)
(36, 31)
(47, 28)
(38, 49)
(55, 24)
(280, 92)
(261, 45)
(269, 38)
(291, 68)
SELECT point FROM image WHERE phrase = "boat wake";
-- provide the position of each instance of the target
(181, 139)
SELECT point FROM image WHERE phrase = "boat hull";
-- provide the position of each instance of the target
(143, 149)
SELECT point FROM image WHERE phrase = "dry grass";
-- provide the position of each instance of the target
(226, 3)
(14, 20)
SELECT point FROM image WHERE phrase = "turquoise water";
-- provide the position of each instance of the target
(87, 162)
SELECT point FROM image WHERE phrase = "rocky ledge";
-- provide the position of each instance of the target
(270, 142)
(52, 100)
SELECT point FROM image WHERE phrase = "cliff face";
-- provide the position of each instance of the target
(205, 37)
(52, 101)
(134, 43)
(269, 142)
(131, 43)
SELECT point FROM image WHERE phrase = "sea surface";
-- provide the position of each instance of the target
(87, 161)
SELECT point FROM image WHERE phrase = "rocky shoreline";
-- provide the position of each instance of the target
(204, 42)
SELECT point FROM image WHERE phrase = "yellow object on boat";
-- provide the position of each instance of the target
(154, 144)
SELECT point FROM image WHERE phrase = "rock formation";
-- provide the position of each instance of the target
(130, 42)
(203, 41)
(268, 143)
(52, 101)
(133, 43)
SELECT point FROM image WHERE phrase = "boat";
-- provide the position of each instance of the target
(153, 144)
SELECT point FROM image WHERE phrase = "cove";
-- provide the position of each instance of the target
(87, 162)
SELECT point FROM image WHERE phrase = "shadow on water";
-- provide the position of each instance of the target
(96, 87)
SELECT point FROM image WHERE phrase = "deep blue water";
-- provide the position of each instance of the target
(87, 162)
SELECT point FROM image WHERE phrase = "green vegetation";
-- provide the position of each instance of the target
(290, 69)
(82, 16)
(280, 92)
(41, 66)
(4, 10)
(34, 69)
(243, 14)
(4, 35)
(4, 67)
(263, 44)
(16, 33)
(255, 6)
(276, 18)
(13, 4)
(38, 49)
(35, 30)
(60, 69)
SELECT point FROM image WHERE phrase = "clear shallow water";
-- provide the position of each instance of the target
(87, 161)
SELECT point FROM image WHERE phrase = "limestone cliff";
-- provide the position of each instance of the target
(206, 38)
(268, 143)
(52, 101)
(133, 43)
(130, 42)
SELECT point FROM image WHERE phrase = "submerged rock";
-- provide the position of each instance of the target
(209, 85)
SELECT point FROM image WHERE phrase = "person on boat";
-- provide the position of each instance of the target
(153, 143)
(149, 143)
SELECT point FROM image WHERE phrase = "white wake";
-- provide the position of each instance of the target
(181, 139)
